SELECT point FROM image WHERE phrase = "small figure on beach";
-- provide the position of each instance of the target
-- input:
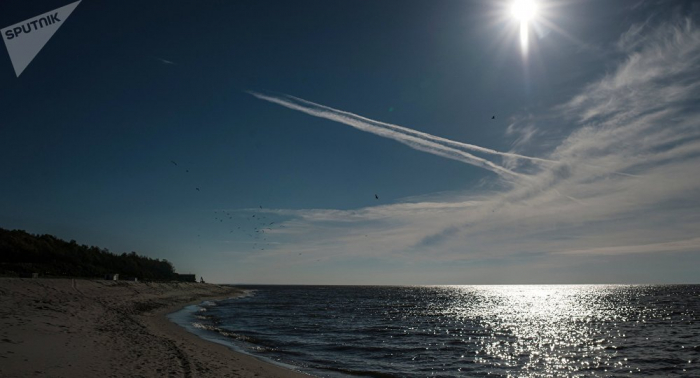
(201, 279)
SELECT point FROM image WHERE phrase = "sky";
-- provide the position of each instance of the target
(392, 142)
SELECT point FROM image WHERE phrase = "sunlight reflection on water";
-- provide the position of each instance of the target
(507, 331)
(545, 329)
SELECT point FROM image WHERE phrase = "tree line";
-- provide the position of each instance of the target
(23, 253)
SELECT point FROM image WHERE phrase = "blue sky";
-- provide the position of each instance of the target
(297, 113)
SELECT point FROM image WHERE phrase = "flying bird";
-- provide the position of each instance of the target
(197, 189)
(493, 117)
(376, 196)
(174, 163)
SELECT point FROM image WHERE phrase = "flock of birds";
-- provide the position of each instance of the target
(258, 224)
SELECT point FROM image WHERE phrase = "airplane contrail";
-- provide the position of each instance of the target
(405, 130)
(414, 139)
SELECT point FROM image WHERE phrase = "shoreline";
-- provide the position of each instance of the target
(248, 365)
(69, 328)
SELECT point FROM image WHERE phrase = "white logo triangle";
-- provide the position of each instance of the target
(25, 39)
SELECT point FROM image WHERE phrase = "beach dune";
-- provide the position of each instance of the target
(95, 328)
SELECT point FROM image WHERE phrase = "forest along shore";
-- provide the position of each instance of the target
(81, 328)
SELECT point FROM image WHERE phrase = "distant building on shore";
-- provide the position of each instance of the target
(112, 277)
(186, 277)
(29, 275)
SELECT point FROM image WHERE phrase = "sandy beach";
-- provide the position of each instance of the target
(95, 328)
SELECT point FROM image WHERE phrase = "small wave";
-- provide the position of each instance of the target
(230, 334)
(246, 293)
(204, 326)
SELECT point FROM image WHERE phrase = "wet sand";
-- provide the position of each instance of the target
(94, 328)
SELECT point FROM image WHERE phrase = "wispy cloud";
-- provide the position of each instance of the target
(641, 118)
(632, 38)
(165, 61)
(672, 246)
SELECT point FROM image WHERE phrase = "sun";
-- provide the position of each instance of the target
(523, 10)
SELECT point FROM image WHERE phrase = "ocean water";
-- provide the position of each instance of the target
(463, 331)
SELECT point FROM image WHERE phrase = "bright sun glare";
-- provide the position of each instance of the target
(523, 10)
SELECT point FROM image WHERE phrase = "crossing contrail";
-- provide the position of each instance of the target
(419, 134)
(415, 139)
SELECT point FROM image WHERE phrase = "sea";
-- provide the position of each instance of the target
(461, 331)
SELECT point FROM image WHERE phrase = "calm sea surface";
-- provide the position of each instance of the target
(463, 331)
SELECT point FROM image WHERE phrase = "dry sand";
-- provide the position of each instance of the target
(93, 328)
